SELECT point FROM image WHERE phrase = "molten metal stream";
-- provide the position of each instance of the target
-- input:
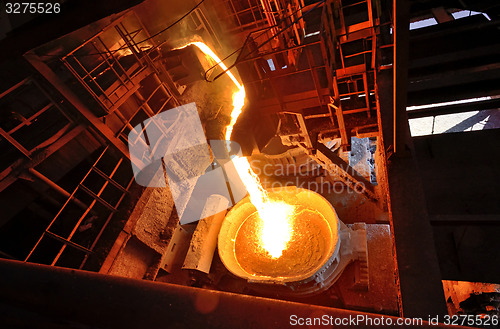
(276, 229)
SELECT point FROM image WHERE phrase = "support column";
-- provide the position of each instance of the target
(401, 34)
(421, 289)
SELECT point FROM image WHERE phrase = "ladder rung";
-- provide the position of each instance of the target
(109, 179)
(355, 4)
(315, 116)
(364, 109)
(98, 198)
(68, 242)
(353, 93)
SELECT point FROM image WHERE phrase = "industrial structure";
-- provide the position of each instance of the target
(380, 118)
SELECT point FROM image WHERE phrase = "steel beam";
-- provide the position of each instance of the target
(41, 296)
(401, 15)
(56, 187)
(22, 164)
(455, 108)
(465, 219)
(335, 165)
(418, 269)
(101, 127)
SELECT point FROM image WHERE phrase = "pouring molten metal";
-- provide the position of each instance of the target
(276, 217)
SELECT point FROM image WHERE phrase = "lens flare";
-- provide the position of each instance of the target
(276, 229)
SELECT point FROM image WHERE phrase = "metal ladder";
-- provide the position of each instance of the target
(96, 194)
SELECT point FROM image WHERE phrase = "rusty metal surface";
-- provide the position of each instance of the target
(339, 168)
(42, 296)
(381, 295)
(418, 267)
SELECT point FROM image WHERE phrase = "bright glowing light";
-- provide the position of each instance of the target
(238, 97)
(461, 101)
(238, 102)
(209, 52)
(276, 228)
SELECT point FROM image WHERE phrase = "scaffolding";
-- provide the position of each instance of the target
(31, 120)
(73, 233)
(350, 48)
(111, 64)
(242, 15)
(325, 77)
(121, 69)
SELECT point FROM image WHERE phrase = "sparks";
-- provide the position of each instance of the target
(238, 102)
(276, 230)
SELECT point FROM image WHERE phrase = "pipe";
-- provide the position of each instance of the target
(202, 247)
(57, 188)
